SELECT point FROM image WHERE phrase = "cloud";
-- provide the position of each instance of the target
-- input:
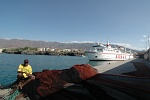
(80, 42)
(144, 36)
(147, 38)
(124, 45)
(12, 38)
(129, 46)
(120, 44)
(142, 40)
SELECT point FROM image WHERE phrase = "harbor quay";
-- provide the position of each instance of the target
(118, 67)
(139, 66)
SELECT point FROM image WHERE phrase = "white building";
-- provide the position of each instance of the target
(1, 50)
(147, 55)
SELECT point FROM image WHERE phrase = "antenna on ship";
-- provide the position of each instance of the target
(98, 39)
(108, 45)
(108, 42)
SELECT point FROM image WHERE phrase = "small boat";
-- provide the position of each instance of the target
(102, 52)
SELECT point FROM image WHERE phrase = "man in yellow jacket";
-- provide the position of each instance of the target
(24, 73)
(24, 70)
(24, 76)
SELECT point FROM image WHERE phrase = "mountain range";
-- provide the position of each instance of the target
(17, 43)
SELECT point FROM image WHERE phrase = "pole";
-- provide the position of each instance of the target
(146, 45)
(148, 42)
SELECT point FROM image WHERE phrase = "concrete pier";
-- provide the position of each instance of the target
(122, 66)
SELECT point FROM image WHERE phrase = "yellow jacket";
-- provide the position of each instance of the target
(25, 69)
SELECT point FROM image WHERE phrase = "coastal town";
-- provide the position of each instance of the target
(15, 46)
(56, 51)
(43, 51)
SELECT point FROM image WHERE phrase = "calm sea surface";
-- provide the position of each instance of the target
(9, 64)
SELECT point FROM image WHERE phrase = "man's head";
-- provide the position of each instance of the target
(26, 61)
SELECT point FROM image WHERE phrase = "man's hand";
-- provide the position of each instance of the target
(32, 76)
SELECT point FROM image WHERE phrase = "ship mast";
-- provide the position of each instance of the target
(107, 42)
(108, 45)
(98, 41)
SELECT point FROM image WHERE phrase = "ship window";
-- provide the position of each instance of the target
(95, 56)
(117, 51)
(99, 49)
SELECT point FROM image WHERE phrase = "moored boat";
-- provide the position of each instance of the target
(102, 52)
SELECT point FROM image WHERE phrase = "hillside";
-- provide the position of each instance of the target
(15, 43)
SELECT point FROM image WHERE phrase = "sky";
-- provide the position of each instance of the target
(124, 22)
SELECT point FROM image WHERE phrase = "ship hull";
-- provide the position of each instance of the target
(97, 56)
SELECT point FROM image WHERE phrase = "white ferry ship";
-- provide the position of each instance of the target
(102, 52)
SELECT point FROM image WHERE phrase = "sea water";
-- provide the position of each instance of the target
(9, 64)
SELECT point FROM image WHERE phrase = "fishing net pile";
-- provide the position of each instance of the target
(84, 82)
